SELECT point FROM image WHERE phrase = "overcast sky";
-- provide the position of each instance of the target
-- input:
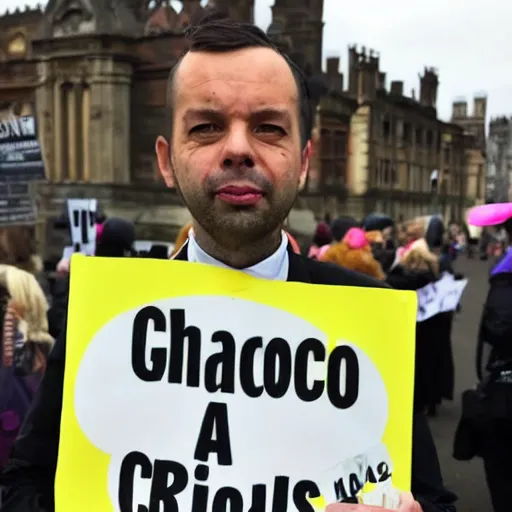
(466, 42)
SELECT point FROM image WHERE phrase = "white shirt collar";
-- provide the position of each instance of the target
(274, 268)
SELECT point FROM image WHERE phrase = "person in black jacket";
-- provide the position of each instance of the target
(116, 241)
(488, 434)
(240, 128)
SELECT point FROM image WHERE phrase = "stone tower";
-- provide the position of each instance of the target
(301, 22)
(475, 123)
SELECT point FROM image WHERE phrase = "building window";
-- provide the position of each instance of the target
(326, 143)
(399, 129)
(406, 134)
(412, 177)
(386, 173)
(386, 130)
(340, 143)
(418, 137)
(430, 138)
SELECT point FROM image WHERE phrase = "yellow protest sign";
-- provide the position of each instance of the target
(192, 388)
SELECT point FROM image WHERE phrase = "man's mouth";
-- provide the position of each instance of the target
(239, 195)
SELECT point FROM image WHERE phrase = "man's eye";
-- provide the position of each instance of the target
(270, 128)
(205, 128)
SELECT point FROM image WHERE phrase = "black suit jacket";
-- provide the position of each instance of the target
(28, 480)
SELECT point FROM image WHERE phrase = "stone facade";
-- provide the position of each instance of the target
(397, 142)
(499, 160)
(95, 74)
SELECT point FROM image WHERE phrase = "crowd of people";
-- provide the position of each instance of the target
(239, 170)
(407, 256)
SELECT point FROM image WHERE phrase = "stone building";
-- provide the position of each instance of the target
(297, 28)
(95, 74)
(397, 142)
(499, 160)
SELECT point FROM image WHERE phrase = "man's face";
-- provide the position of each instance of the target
(235, 154)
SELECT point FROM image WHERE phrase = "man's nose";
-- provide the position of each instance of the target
(238, 151)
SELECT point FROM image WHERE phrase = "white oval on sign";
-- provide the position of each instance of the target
(120, 413)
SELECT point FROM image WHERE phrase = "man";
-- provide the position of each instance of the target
(238, 152)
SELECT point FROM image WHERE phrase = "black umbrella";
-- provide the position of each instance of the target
(435, 232)
(377, 222)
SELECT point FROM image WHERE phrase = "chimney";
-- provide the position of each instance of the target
(334, 77)
(353, 70)
(480, 107)
(397, 88)
(429, 83)
(333, 66)
(460, 109)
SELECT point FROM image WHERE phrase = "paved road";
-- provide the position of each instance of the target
(464, 478)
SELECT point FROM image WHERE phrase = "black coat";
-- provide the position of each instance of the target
(29, 478)
(496, 323)
(434, 374)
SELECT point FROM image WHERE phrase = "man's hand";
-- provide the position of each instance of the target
(407, 504)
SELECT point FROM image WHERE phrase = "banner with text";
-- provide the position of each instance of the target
(21, 158)
(190, 387)
(440, 297)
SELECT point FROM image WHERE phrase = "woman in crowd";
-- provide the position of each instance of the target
(321, 238)
(25, 343)
(417, 267)
(18, 248)
(355, 253)
(116, 241)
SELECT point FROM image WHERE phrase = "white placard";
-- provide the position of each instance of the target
(440, 297)
(82, 214)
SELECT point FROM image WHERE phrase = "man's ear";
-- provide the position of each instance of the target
(163, 156)
(306, 158)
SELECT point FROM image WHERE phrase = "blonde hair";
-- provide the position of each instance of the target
(419, 257)
(415, 228)
(30, 302)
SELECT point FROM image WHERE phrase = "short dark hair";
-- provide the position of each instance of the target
(218, 34)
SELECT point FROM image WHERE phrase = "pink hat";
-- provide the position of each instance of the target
(355, 238)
